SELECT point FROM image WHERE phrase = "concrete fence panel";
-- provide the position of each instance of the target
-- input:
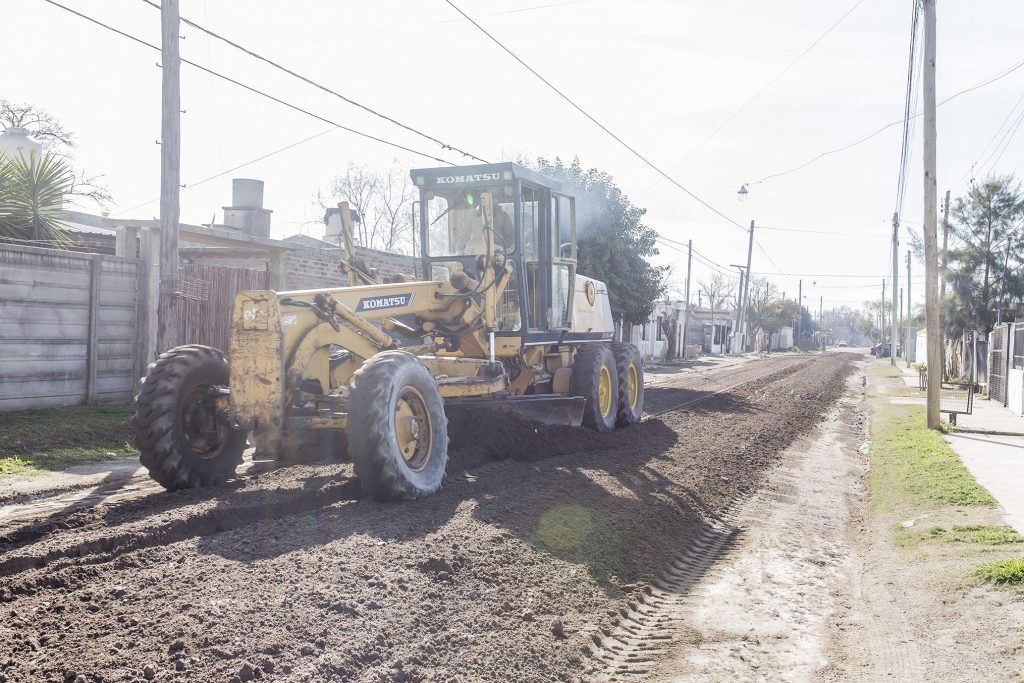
(67, 327)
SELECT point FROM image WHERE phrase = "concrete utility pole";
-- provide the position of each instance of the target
(910, 313)
(170, 177)
(750, 276)
(945, 246)
(686, 308)
(735, 336)
(931, 257)
(895, 281)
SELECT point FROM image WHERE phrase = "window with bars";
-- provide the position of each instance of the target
(1018, 345)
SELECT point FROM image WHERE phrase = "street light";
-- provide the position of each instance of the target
(743, 192)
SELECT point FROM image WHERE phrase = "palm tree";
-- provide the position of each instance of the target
(32, 193)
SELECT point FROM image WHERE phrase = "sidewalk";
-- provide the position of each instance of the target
(995, 460)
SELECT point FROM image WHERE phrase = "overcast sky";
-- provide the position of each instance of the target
(661, 74)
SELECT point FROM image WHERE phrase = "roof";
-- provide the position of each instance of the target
(313, 242)
(480, 174)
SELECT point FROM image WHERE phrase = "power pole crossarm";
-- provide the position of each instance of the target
(170, 177)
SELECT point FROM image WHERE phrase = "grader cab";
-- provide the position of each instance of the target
(498, 322)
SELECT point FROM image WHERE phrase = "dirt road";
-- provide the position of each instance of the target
(535, 567)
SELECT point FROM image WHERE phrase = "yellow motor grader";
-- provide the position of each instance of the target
(497, 322)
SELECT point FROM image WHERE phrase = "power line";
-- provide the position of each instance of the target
(235, 168)
(825, 232)
(887, 126)
(309, 81)
(760, 92)
(252, 88)
(592, 119)
(700, 259)
(901, 184)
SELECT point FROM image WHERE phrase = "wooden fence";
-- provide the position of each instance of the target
(204, 312)
(67, 327)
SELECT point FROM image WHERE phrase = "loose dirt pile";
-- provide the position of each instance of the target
(513, 572)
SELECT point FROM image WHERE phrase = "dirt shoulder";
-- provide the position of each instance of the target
(516, 571)
(926, 527)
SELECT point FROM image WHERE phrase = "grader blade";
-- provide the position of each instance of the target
(546, 410)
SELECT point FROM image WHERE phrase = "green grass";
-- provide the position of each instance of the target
(913, 468)
(988, 534)
(41, 439)
(1009, 572)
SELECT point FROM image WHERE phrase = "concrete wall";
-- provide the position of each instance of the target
(67, 327)
(1015, 391)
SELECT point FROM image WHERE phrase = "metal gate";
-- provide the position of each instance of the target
(997, 364)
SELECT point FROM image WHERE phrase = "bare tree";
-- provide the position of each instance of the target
(358, 187)
(40, 124)
(384, 203)
(395, 195)
(718, 289)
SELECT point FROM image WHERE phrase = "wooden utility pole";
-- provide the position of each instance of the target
(893, 343)
(945, 246)
(910, 314)
(931, 256)
(800, 310)
(170, 177)
(881, 316)
(821, 321)
(686, 308)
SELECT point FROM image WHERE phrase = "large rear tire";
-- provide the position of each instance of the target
(183, 440)
(630, 370)
(594, 378)
(397, 429)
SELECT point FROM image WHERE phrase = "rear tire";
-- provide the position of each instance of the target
(594, 378)
(630, 370)
(182, 440)
(397, 429)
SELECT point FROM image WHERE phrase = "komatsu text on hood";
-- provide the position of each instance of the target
(376, 303)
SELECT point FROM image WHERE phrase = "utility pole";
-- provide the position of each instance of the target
(686, 309)
(881, 316)
(931, 257)
(821, 322)
(170, 176)
(735, 336)
(893, 343)
(750, 276)
(799, 310)
(945, 245)
(910, 314)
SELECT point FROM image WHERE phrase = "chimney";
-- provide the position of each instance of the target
(246, 212)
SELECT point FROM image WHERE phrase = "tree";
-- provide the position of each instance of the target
(986, 254)
(57, 142)
(383, 200)
(718, 289)
(32, 193)
(614, 244)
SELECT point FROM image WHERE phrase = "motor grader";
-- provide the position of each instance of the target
(496, 321)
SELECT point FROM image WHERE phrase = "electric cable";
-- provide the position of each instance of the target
(315, 84)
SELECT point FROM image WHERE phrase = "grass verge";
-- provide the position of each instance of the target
(42, 439)
(988, 534)
(1009, 572)
(912, 467)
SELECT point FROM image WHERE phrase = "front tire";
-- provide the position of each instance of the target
(594, 378)
(630, 370)
(397, 429)
(182, 439)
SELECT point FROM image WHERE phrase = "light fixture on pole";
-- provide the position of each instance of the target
(743, 192)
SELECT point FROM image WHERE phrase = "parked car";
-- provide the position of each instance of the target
(842, 344)
(882, 350)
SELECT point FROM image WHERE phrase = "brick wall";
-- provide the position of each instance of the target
(313, 268)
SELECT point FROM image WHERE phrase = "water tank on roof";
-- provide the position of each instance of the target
(247, 193)
(16, 141)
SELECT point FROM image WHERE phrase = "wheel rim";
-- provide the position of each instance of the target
(604, 391)
(413, 429)
(205, 430)
(633, 383)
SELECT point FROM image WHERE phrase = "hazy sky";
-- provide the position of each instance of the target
(662, 74)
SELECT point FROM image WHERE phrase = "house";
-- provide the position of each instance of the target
(708, 331)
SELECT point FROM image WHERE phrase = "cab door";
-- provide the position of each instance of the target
(563, 260)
